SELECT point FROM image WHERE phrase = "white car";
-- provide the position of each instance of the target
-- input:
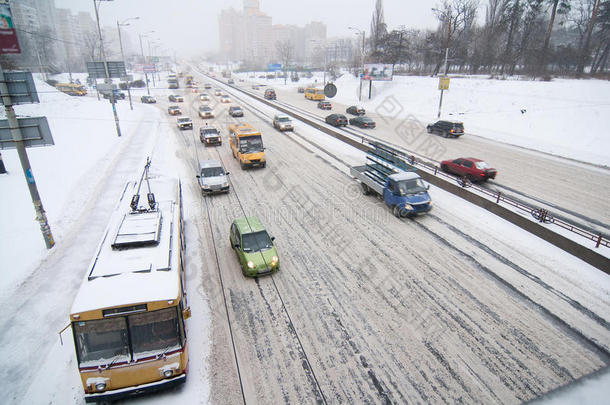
(204, 97)
(225, 99)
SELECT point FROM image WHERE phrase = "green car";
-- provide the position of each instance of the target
(254, 248)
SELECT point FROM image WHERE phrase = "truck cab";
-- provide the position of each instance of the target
(407, 194)
(247, 145)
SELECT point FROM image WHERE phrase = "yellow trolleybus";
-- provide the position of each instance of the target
(128, 318)
(311, 93)
(72, 89)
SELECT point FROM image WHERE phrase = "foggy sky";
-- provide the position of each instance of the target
(190, 27)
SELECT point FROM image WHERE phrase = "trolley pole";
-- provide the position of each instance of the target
(41, 216)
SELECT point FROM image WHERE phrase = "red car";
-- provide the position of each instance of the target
(325, 105)
(471, 168)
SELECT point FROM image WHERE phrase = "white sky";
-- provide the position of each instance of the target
(191, 27)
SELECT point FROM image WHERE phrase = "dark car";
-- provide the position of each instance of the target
(325, 105)
(210, 136)
(236, 111)
(230, 81)
(174, 110)
(148, 99)
(118, 95)
(301, 90)
(336, 120)
(354, 110)
(270, 94)
(362, 122)
(446, 128)
(175, 98)
(471, 168)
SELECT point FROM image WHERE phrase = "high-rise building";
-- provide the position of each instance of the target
(249, 35)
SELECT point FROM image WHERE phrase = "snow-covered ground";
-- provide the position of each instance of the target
(562, 117)
(86, 147)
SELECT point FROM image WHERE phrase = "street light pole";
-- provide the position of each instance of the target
(144, 59)
(108, 79)
(362, 54)
(118, 27)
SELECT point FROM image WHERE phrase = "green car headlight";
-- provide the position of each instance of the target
(274, 261)
(250, 265)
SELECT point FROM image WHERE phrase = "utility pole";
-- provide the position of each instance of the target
(108, 79)
(41, 216)
(118, 27)
(440, 103)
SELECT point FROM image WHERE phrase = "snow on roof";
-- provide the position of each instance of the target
(125, 276)
(404, 176)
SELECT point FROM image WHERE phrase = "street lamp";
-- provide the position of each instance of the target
(118, 27)
(108, 80)
(150, 43)
(144, 59)
(359, 31)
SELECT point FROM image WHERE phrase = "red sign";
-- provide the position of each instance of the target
(8, 36)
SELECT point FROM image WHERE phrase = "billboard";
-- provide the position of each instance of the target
(8, 36)
(378, 71)
(274, 67)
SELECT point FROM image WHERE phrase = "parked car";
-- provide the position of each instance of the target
(175, 98)
(471, 168)
(446, 128)
(184, 123)
(148, 99)
(213, 177)
(174, 110)
(254, 247)
(236, 111)
(270, 94)
(355, 110)
(225, 99)
(205, 112)
(362, 122)
(301, 89)
(282, 122)
(210, 136)
(325, 105)
(337, 120)
(204, 97)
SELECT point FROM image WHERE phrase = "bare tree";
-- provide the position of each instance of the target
(378, 30)
(584, 53)
(285, 50)
(557, 6)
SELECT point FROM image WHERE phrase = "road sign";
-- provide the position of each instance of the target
(8, 35)
(330, 90)
(97, 70)
(149, 68)
(34, 130)
(20, 87)
(443, 83)
(106, 86)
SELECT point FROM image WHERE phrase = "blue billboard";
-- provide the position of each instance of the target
(274, 67)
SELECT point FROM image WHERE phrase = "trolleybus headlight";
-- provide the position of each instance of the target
(168, 373)
(100, 386)
(250, 265)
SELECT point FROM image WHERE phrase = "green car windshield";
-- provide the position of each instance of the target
(256, 241)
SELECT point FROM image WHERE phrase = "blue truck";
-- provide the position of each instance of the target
(387, 174)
